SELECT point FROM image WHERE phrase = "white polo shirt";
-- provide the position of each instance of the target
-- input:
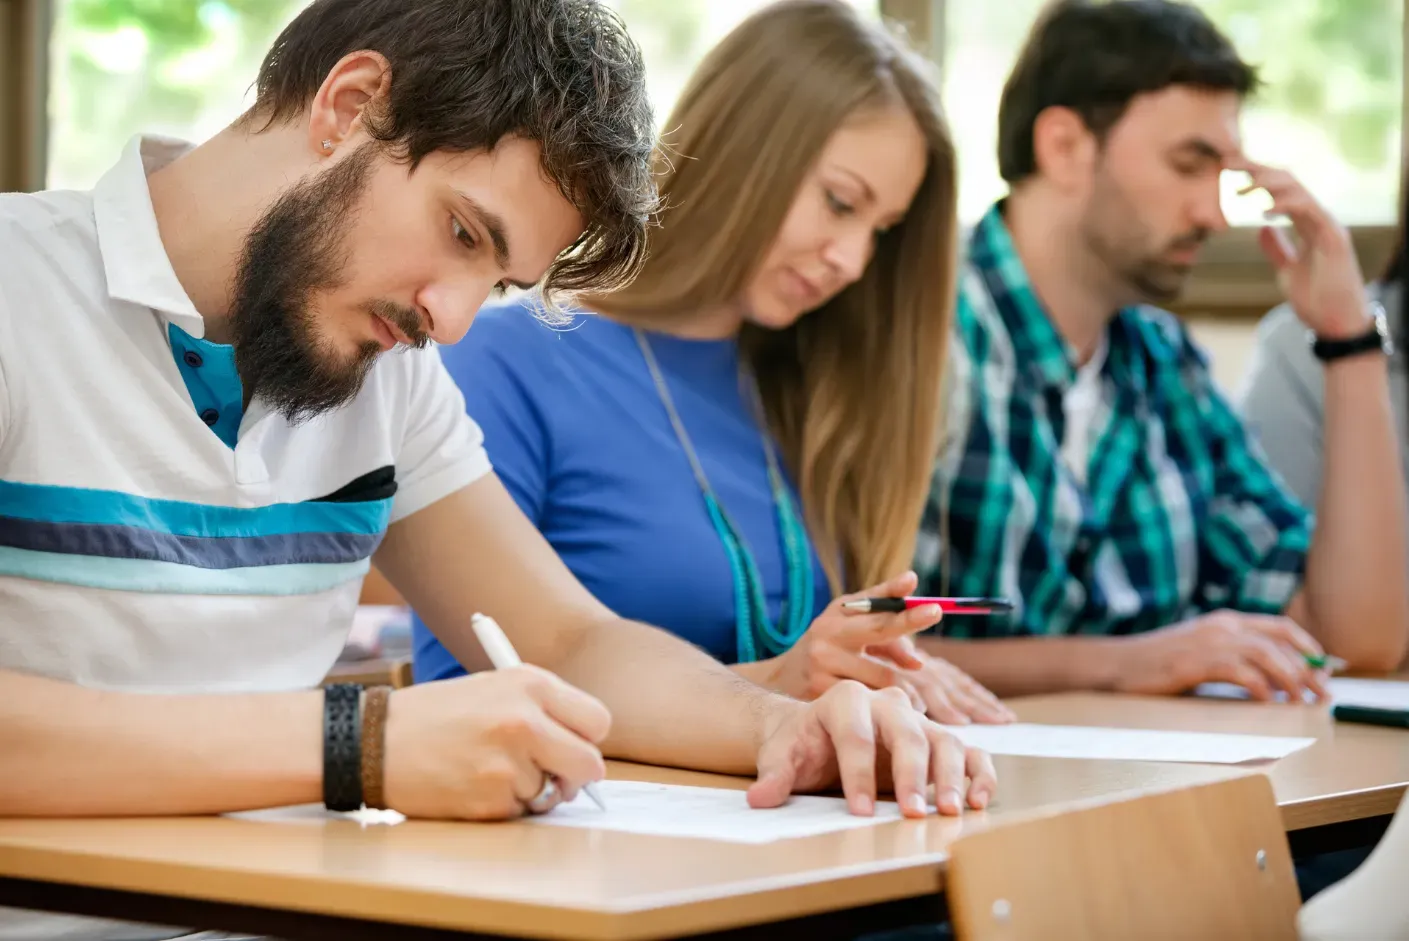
(155, 536)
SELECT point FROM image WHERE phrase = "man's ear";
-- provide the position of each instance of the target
(1063, 147)
(358, 80)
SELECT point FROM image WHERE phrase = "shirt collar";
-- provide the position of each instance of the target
(1040, 350)
(1037, 345)
(134, 258)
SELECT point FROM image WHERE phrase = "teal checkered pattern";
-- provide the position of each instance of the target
(1180, 513)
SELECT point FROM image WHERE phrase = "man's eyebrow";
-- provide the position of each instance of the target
(493, 224)
(1202, 148)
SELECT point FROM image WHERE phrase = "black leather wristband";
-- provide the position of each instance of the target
(342, 747)
(1376, 339)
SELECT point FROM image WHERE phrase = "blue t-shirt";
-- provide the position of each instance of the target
(576, 431)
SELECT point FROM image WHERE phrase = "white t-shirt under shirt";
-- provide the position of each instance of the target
(1079, 406)
(154, 535)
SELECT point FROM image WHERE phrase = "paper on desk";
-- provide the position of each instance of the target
(655, 809)
(1070, 741)
(707, 813)
(1377, 694)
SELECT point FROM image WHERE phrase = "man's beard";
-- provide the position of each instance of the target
(297, 250)
(1118, 240)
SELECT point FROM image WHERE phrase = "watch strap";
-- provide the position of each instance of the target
(342, 747)
(1375, 339)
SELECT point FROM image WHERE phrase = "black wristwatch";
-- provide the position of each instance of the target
(1377, 338)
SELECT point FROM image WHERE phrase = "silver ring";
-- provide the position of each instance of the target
(546, 798)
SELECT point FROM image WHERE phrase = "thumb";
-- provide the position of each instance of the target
(1277, 247)
(773, 786)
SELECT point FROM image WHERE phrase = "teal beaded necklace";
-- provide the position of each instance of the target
(757, 636)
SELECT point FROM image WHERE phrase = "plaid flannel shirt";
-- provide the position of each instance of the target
(1180, 513)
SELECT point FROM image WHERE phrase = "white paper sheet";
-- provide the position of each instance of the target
(1378, 694)
(707, 813)
(655, 809)
(1069, 741)
(1234, 691)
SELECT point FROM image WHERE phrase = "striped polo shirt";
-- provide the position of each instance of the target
(156, 535)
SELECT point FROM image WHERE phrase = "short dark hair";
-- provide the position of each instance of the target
(467, 73)
(1094, 57)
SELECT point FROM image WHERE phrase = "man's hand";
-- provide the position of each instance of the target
(1263, 654)
(876, 649)
(479, 747)
(1320, 275)
(854, 737)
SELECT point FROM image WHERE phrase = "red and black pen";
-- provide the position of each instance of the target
(946, 605)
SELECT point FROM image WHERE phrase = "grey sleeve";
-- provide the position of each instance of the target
(1282, 399)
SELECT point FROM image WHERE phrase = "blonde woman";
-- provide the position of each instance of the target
(743, 438)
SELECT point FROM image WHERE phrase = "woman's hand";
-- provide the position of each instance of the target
(876, 649)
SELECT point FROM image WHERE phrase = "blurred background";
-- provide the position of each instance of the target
(78, 77)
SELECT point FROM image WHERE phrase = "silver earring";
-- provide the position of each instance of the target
(327, 144)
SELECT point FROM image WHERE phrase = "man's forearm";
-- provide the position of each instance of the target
(760, 672)
(1356, 597)
(1028, 666)
(74, 751)
(671, 703)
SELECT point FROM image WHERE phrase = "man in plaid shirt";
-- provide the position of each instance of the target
(1092, 472)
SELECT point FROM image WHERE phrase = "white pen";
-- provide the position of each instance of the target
(503, 655)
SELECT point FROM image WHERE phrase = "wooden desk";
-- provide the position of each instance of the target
(334, 879)
(1352, 772)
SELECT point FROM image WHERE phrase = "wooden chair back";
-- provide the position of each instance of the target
(1203, 862)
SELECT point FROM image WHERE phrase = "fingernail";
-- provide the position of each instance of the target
(952, 801)
(931, 612)
(979, 799)
(862, 805)
(916, 804)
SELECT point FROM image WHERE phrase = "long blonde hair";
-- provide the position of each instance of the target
(851, 391)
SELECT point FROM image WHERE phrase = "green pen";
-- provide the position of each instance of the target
(1325, 662)
(1395, 718)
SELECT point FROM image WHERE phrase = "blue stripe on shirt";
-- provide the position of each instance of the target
(51, 504)
(228, 552)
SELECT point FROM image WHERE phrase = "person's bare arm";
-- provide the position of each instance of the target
(1264, 654)
(74, 751)
(671, 703)
(475, 551)
(1354, 599)
(1029, 666)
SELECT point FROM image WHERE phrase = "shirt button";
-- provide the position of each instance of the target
(193, 359)
(210, 416)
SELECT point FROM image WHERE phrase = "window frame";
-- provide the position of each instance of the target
(24, 79)
(1232, 279)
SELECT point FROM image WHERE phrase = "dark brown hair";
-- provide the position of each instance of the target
(1095, 56)
(467, 73)
(852, 391)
